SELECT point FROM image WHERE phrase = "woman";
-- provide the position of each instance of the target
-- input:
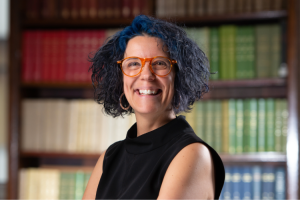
(153, 69)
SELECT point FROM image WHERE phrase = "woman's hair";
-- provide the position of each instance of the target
(192, 68)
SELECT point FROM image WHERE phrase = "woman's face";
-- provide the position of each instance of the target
(148, 47)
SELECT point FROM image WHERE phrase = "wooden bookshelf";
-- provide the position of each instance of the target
(276, 88)
(119, 23)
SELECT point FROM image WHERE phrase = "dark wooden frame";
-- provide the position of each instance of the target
(293, 93)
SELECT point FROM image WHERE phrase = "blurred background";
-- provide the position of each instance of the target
(52, 131)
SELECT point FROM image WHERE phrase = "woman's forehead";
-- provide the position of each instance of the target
(145, 46)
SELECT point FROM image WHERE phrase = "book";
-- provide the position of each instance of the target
(227, 188)
(268, 182)
(208, 123)
(236, 182)
(270, 114)
(214, 53)
(256, 174)
(199, 119)
(225, 126)
(247, 183)
(239, 114)
(232, 125)
(217, 127)
(252, 139)
(280, 185)
(275, 30)
(261, 124)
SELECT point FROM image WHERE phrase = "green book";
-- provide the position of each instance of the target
(261, 124)
(276, 49)
(270, 114)
(209, 123)
(240, 52)
(231, 52)
(79, 185)
(199, 119)
(239, 125)
(223, 53)
(263, 57)
(284, 115)
(253, 125)
(246, 105)
(232, 125)
(225, 127)
(249, 52)
(202, 39)
(217, 125)
(278, 125)
(214, 53)
(67, 185)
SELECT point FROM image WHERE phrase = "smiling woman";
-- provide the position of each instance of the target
(153, 69)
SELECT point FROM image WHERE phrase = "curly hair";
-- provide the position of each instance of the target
(192, 68)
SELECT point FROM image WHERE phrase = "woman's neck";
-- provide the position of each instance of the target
(146, 123)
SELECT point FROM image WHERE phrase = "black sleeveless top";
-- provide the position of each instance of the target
(134, 168)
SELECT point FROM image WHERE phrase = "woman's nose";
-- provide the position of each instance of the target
(146, 73)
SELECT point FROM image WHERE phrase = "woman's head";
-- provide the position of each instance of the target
(186, 83)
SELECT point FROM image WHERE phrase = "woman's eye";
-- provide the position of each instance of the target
(133, 64)
(159, 63)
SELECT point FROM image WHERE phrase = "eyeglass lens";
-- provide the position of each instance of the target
(160, 66)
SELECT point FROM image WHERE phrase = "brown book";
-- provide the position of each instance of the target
(259, 5)
(49, 9)
(181, 8)
(75, 9)
(136, 7)
(117, 4)
(65, 9)
(201, 6)
(126, 8)
(101, 9)
(230, 7)
(277, 5)
(92, 9)
(32, 9)
(191, 8)
(240, 5)
(109, 9)
(248, 7)
(83, 9)
(211, 7)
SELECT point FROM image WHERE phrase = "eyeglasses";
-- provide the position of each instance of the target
(160, 66)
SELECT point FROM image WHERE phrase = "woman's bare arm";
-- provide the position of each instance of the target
(190, 175)
(91, 188)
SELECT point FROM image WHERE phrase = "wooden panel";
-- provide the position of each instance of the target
(293, 101)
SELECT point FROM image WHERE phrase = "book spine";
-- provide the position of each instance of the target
(225, 125)
(239, 125)
(79, 185)
(280, 186)
(253, 126)
(209, 118)
(270, 140)
(277, 125)
(231, 52)
(28, 56)
(256, 174)
(232, 125)
(126, 9)
(247, 183)
(284, 115)
(249, 52)
(214, 53)
(246, 136)
(240, 52)
(218, 125)
(268, 182)
(223, 52)
(275, 31)
(236, 179)
(261, 125)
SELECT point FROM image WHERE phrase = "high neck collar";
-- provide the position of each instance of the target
(155, 138)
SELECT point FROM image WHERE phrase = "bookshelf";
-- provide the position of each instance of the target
(219, 89)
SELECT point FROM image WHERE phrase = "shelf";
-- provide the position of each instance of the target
(262, 157)
(118, 23)
(57, 85)
(60, 155)
(276, 82)
(227, 158)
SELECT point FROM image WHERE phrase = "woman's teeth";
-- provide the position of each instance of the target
(147, 92)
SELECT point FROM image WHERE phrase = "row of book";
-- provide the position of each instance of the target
(58, 125)
(193, 8)
(51, 183)
(86, 9)
(241, 125)
(254, 182)
(230, 126)
(60, 56)
(242, 52)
